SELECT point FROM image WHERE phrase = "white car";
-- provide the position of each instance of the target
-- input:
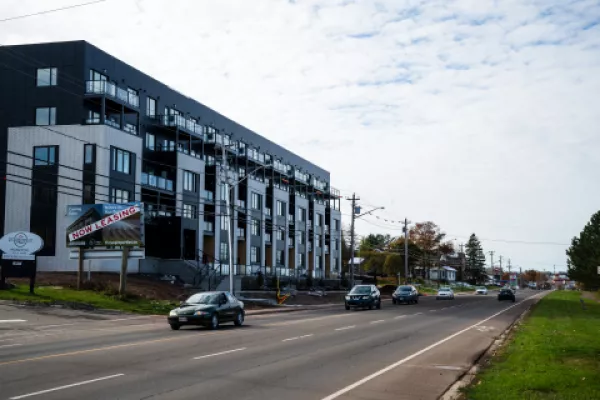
(445, 293)
(481, 290)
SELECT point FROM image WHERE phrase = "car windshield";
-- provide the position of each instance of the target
(444, 290)
(404, 289)
(480, 288)
(204, 298)
(361, 290)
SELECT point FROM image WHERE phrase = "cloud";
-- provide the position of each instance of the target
(477, 114)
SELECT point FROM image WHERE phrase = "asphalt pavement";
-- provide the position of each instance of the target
(398, 352)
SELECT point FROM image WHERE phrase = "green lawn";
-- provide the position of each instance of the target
(554, 355)
(58, 295)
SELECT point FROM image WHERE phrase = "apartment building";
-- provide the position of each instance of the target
(78, 126)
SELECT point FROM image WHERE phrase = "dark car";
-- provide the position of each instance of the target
(405, 294)
(362, 296)
(506, 294)
(208, 309)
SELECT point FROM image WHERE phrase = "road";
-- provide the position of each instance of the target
(398, 352)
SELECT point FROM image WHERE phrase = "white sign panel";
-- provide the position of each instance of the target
(20, 245)
(103, 223)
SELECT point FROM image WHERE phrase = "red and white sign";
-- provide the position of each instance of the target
(103, 223)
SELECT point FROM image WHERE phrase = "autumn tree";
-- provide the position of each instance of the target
(475, 268)
(427, 236)
(583, 255)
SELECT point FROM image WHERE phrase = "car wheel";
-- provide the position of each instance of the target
(347, 307)
(416, 301)
(370, 306)
(175, 327)
(239, 320)
(513, 300)
(379, 305)
(214, 322)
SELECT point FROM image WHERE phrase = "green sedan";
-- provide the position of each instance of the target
(208, 309)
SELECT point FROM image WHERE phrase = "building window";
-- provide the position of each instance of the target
(300, 260)
(168, 145)
(280, 257)
(280, 208)
(97, 76)
(189, 181)
(45, 155)
(121, 160)
(150, 107)
(336, 264)
(302, 238)
(93, 117)
(336, 224)
(119, 196)
(254, 255)
(189, 211)
(223, 192)
(280, 235)
(45, 116)
(319, 263)
(317, 240)
(337, 244)
(88, 153)
(150, 141)
(318, 219)
(256, 201)
(46, 76)
(255, 228)
(224, 223)
(89, 195)
(223, 253)
(302, 214)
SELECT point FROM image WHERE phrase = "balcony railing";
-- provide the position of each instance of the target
(268, 212)
(240, 232)
(240, 204)
(309, 246)
(309, 224)
(268, 237)
(208, 195)
(291, 218)
(157, 182)
(326, 228)
(326, 248)
(209, 226)
(291, 242)
(301, 176)
(112, 90)
(181, 122)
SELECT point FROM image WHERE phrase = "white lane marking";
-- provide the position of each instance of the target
(122, 319)
(419, 313)
(220, 353)
(378, 321)
(432, 310)
(297, 337)
(10, 345)
(66, 386)
(346, 327)
(10, 321)
(400, 316)
(414, 355)
(299, 321)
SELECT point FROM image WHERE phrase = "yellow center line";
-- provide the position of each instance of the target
(94, 350)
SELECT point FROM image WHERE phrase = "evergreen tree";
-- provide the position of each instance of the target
(584, 255)
(475, 268)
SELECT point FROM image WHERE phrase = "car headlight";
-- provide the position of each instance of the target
(173, 313)
(366, 297)
(201, 313)
(347, 297)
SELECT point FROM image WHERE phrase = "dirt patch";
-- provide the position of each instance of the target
(591, 296)
(137, 285)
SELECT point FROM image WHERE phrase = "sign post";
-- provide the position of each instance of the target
(18, 257)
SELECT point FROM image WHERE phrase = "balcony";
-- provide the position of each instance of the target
(241, 204)
(309, 246)
(326, 229)
(256, 156)
(267, 237)
(309, 224)
(209, 226)
(291, 242)
(268, 212)
(157, 182)
(291, 218)
(212, 137)
(129, 128)
(326, 249)
(179, 121)
(301, 176)
(280, 167)
(113, 91)
(319, 184)
(208, 195)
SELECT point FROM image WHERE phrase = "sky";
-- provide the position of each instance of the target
(479, 115)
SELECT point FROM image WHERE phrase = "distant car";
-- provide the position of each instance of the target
(208, 309)
(363, 296)
(405, 294)
(481, 290)
(445, 293)
(506, 294)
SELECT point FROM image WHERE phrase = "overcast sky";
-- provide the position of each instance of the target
(479, 115)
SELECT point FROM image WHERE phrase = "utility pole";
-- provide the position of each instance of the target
(354, 198)
(509, 266)
(492, 261)
(229, 206)
(406, 250)
(500, 263)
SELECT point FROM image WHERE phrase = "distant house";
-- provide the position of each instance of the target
(444, 273)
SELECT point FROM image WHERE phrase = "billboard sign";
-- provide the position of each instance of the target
(93, 225)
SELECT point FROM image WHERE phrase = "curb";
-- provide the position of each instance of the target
(454, 392)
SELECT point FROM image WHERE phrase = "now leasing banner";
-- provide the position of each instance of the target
(105, 225)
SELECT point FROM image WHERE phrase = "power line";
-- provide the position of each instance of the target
(89, 3)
